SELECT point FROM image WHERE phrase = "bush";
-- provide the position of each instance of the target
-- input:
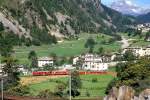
(36, 42)
(47, 94)
(58, 81)
(18, 91)
(74, 93)
(94, 80)
(60, 90)
(87, 94)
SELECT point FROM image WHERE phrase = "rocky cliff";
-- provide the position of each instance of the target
(127, 93)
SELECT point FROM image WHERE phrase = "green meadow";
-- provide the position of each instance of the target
(67, 48)
(95, 89)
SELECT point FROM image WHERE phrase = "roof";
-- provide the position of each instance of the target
(133, 48)
(45, 58)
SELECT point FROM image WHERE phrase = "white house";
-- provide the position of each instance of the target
(45, 61)
(67, 67)
(143, 27)
(139, 51)
(75, 60)
(23, 70)
(1, 69)
(93, 62)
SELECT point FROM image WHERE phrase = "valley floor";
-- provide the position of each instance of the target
(67, 48)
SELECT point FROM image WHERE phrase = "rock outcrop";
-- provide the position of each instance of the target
(145, 95)
(127, 93)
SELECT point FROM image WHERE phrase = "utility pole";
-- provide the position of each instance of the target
(70, 85)
(2, 95)
(2, 88)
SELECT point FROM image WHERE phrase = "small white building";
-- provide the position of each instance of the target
(138, 51)
(45, 61)
(23, 70)
(75, 60)
(143, 27)
(67, 67)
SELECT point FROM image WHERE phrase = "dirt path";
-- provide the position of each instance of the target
(125, 42)
(37, 79)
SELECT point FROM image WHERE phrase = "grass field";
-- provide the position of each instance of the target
(66, 48)
(96, 89)
(112, 69)
(139, 43)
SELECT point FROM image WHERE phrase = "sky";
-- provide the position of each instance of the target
(129, 6)
(143, 3)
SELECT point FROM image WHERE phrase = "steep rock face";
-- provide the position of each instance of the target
(145, 95)
(127, 93)
(112, 95)
(98, 5)
(13, 25)
(123, 93)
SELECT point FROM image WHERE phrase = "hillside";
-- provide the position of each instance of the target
(144, 18)
(43, 20)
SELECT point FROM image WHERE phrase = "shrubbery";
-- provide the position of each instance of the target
(94, 80)
(19, 91)
(134, 74)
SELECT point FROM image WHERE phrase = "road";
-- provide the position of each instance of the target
(125, 42)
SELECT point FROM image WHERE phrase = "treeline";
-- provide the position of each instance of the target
(138, 32)
(133, 73)
(42, 36)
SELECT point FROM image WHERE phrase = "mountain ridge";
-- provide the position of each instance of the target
(62, 18)
(145, 18)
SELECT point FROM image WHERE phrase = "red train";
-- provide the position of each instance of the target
(48, 73)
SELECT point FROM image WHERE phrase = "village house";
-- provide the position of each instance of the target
(1, 69)
(144, 27)
(23, 70)
(45, 61)
(75, 60)
(138, 51)
(93, 62)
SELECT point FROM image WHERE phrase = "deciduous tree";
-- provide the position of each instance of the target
(90, 43)
(33, 58)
